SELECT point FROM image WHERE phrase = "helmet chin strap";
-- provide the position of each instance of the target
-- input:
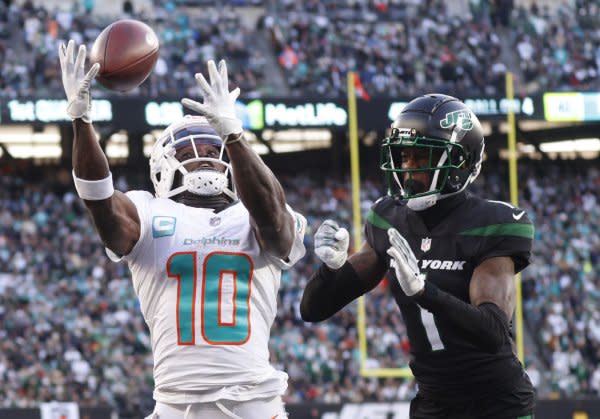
(422, 202)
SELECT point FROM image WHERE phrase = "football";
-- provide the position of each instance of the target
(127, 51)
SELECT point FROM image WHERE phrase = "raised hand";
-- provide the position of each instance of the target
(76, 83)
(218, 102)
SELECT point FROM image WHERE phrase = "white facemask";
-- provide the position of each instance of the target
(205, 182)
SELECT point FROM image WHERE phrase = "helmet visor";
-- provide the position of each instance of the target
(194, 145)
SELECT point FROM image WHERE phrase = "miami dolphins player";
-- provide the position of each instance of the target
(451, 258)
(205, 251)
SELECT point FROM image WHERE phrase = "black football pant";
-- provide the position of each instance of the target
(516, 405)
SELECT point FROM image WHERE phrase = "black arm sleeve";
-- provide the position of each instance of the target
(329, 291)
(486, 322)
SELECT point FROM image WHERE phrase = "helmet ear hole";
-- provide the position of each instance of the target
(471, 158)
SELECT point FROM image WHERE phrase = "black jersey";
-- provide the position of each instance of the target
(446, 362)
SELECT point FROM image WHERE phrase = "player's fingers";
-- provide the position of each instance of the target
(190, 104)
(399, 258)
(331, 223)
(406, 248)
(325, 237)
(398, 241)
(402, 240)
(213, 73)
(326, 231)
(79, 73)
(80, 60)
(195, 106)
(92, 72)
(223, 75)
(394, 254)
(62, 54)
(234, 93)
(86, 80)
(70, 51)
(207, 91)
(342, 234)
(394, 237)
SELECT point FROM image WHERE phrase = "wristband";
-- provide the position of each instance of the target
(94, 190)
(239, 137)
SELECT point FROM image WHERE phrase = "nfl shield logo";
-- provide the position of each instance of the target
(215, 221)
(426, 244)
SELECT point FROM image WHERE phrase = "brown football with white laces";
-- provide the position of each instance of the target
(127, 51)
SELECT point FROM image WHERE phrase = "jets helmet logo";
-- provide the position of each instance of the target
(452, 118)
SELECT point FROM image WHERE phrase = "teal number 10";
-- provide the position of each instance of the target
(225, 300)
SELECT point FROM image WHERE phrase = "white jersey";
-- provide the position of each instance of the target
(209, 296)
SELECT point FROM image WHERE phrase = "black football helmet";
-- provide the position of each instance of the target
(444, 127)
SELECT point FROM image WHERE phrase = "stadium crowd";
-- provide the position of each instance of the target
(558, 50)
(30, 36)
(402, 47)
(398, 47)
(70, 326)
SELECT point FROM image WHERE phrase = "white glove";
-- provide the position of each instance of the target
(404, 262)
(331, 244)
(76, 84)
(219, 102)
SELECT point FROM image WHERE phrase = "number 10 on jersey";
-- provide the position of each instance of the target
(225, 300)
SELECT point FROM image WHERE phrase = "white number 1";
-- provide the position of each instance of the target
(431, 330)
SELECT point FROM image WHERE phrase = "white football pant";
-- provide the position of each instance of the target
(223, 409)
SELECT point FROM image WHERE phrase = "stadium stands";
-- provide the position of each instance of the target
(75, 332)
(188, 40)
(397, 47)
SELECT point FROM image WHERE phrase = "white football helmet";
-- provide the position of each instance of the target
(190, 130)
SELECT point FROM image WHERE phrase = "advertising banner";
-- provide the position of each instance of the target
(59, 410)
(138, 114)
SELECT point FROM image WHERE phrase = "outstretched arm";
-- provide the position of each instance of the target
(115, 218)
(256, 185)
(263, 196)
(338, 282)
(114, 215)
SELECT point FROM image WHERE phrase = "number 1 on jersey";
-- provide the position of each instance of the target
(182, 267)
(225, 300)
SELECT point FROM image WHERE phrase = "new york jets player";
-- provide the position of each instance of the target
(205, 265)
(451, 258)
